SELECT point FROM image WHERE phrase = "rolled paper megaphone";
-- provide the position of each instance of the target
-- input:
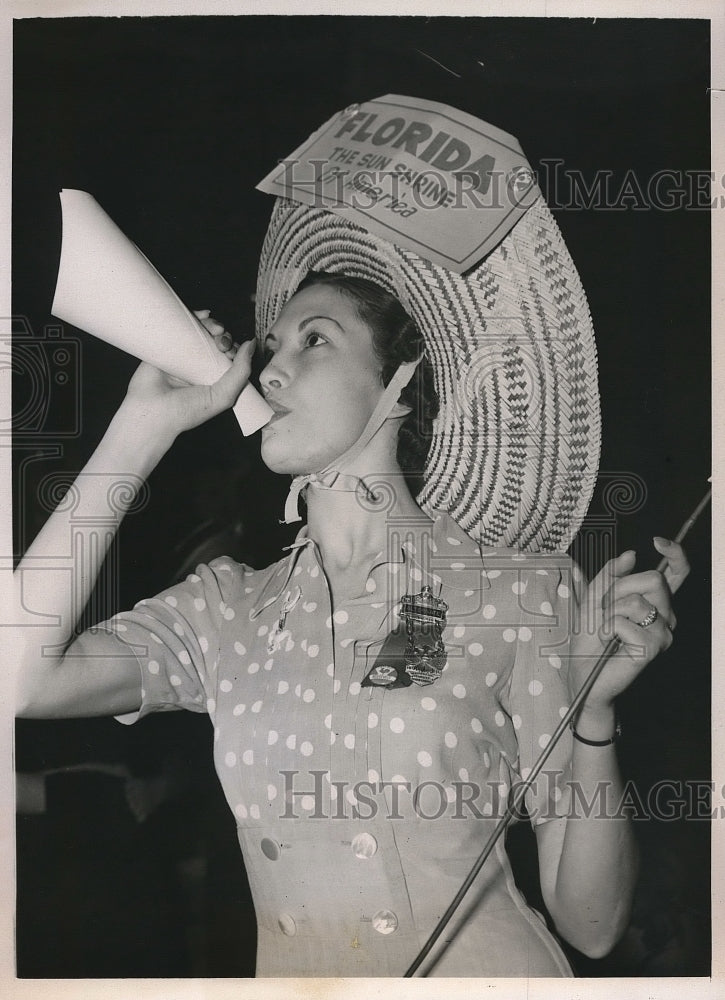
(107, 287)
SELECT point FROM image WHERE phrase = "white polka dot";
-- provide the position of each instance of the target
(459, 631)
(298, 690)
(230, 759)
(298, 570)
(272, 737)
(350, 741)
(489, 611)
(487, 809)
(171, 600)
(451, 740)
(393, 568)
(328, 622)
(562, 590)
(328, 721)
(463, 774)
(371, 586)
(199, 603)
(486, 759)
(153, 666)
(248, 756)
(546, 608)
(351, 796)
(240, 811)
(354, 688)
(330, 669)
(239, 709)
(509, 635)
(542, 572)
(535, 687)
(262, 630)
(314, 572)
(307, 802)
(289, 645)
(313, 651)
(303, 644)
(377, 604)
(248, 590)
(175, 680)
(468, 593)
(155, 637)
(291, 742)
(225, 686)
(120, 627)
(499, 719)
(556, 794)
(372, 720)
(184, 657)
(333, 737)
(555, 661)
(516, 719)
(373, 775)
(518, 556)
(424, 758)
(310, 606)
(268, 664)
(416, 575)
(254, 811)
(491, 678)
(399, 779)
(257, 707)
(341, 617)
(476, 725)
(525, 633)
(519, 587)
(451, 794)
(308, 695)
(253, 668)
(203, 644)
(493, 574)
(563, 710)
(336, 685)
(178, 629)
(459, 691)
(458, 565)
(239, 648)
(525, 772)
(225, 568)
(428, 704)
(282, 687)
(333, 791)
(397, 725)
(306, 749)
(210, 705)
(271, 793)
(229, 614)
(475, 649)
(544, 740)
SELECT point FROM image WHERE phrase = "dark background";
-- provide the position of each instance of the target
(169, 123)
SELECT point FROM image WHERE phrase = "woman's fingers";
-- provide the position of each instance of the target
(222, 337)
(651, 585)
(678, 566)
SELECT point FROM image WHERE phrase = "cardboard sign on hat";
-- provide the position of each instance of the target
(107, 287)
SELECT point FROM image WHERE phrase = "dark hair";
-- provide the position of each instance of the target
(396, 338)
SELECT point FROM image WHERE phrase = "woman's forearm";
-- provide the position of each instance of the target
(595, 878)
(57, 574)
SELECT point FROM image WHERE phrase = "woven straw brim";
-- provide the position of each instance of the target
(516, 444)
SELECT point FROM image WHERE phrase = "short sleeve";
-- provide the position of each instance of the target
(549, 592)
(175, 637)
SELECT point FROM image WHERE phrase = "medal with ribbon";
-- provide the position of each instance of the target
(416, 655)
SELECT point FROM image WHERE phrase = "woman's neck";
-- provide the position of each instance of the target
(350, 529)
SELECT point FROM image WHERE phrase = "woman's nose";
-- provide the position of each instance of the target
(272, 376)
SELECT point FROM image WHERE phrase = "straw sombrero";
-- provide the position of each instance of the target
(516, 444)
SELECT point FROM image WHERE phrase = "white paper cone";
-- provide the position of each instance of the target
(107, 287)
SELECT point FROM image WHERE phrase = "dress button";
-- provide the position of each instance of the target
(385, 922)
(287, 924)
(270, 849)
(364, 845)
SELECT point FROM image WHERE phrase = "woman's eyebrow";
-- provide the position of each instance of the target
(311, 319)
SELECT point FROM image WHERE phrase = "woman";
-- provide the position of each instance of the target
(376, 693)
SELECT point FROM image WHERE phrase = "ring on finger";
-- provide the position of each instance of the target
(650, 619)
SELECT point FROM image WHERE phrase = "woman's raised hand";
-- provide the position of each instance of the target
(636, 607)
(164, 406)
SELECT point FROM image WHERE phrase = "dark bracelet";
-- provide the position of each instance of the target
(598, 743)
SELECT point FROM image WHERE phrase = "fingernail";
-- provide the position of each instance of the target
(661, 542)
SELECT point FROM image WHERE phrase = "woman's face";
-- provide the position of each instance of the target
(322, 379)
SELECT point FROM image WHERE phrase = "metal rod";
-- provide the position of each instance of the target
(516, 798)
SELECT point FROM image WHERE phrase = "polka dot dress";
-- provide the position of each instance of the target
(361, 808)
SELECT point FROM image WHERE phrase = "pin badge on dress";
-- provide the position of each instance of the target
(425, 618)
(279, 633)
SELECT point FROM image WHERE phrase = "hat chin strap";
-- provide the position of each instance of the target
(330, 475)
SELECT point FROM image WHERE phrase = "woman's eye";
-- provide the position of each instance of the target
(314, 340)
